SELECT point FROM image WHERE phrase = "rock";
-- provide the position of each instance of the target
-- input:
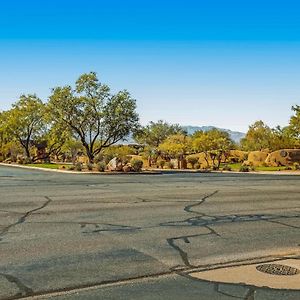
(115, 165)
(127, 168)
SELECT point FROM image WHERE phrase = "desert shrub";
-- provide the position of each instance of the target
(227, 168)
(108, 157)
(192, 161)
(197, 166)
(296, 166)
(78, 166)
(170, 165)
(21, 160)
(244, 169)
(161, 163)
(101, 166)
(90, 166)
(136, 164)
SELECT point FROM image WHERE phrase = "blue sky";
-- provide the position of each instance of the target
(213, 62)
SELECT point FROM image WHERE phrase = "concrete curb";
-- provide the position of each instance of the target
(146, 172)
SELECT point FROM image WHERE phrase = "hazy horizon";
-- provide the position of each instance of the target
(193, 63)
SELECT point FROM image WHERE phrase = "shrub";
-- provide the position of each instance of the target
(90, 166)
(136, 164)
(161, 163)
(197, 166)
(170, 165)
(192, 160)
(27, 161)
(244, 169)
(78, 166)
(296, 166)
(101, 166)
(227, 168)
(288, 168)
(108, 158)
(215, 168)
(71, 168)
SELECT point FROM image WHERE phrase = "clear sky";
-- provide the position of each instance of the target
(208, 62)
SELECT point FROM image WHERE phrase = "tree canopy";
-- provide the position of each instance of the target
(98, 118)
(156, 133)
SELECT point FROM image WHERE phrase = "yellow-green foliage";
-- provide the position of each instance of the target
(257, 158)
(201, 159)
(239, 155)
(119, 151)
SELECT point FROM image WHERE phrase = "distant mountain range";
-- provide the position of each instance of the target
(234, 135)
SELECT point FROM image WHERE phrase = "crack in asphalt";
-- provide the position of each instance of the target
(23, 289)
(172, 241)
(23, 218)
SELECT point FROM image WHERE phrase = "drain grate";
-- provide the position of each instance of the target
(276, 269)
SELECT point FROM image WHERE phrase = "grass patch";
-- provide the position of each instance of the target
(237, 166)
(47, 166)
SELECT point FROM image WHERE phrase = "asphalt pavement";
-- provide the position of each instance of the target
(70, 236)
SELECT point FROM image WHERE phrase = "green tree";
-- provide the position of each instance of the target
(213, 143)
(156, 133)
(96, 117)
(294, 125)
(258, 137)
(176, 146)
(25, 122)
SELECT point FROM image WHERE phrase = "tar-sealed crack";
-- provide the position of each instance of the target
(23, 218)
(23, 289)
(186, 238)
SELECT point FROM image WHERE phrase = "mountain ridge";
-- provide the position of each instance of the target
(236, 136)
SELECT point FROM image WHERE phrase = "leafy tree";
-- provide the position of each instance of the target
(176, 146)
(258, 137)
(213, 143)
(283, 138)
(156, 133)
(25, 122)
(294, 125)
(96, 117)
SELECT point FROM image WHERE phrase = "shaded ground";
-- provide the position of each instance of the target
(138, 237)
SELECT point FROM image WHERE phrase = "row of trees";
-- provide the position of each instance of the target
(88, 115)
(88, 118)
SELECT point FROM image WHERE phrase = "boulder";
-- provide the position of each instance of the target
(115, 165)
(283, 157)
(127, 168)
(256, 158)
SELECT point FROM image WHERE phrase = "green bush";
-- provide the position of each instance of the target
(71, 168)
(244, 169)
(78, 166)
(170, 165)
(90, 166)
(288, 168)
(296, 166)
(136, 164)
(161, 163)
(101, 166)
(227, 168)
(192, 161)
(197, 166)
